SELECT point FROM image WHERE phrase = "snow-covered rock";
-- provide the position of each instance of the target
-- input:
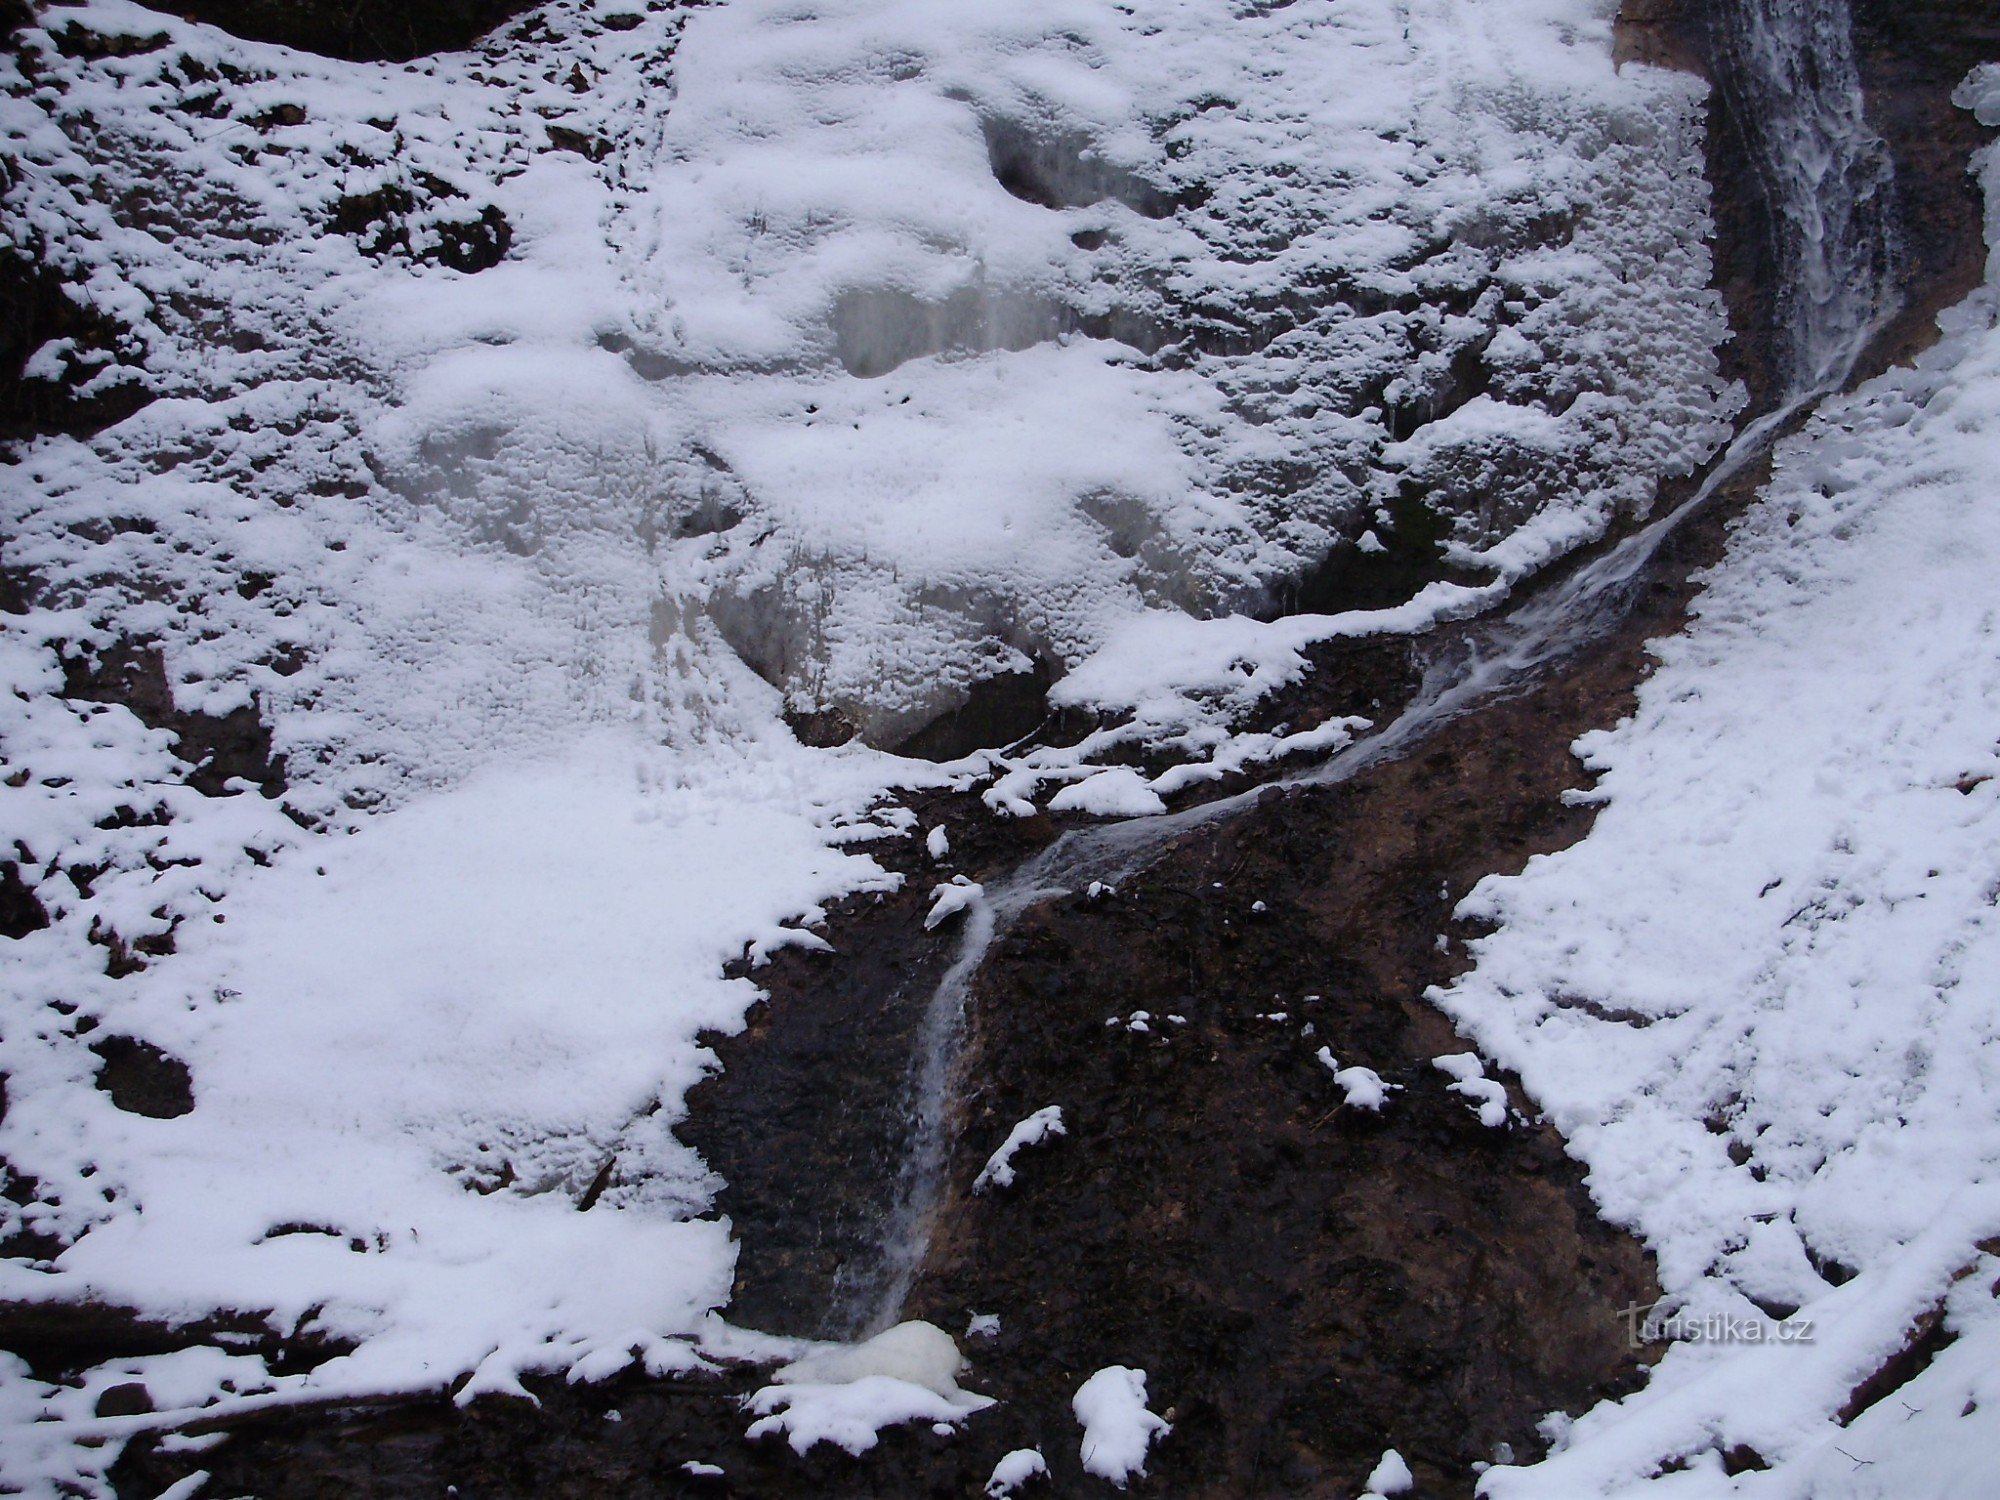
(1015, 1471)
(1117, 1427)
(1033, 1131)
(1391, 1476)
(845, 1394)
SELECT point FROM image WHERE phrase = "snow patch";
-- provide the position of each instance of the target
(956, 895)
(1033, 1131)
(1468, 1074)
(1391, 1476)
(845, 1394)
(1117, 1427)
(1015, 1471)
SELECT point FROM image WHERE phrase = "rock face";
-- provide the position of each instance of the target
(38, 311)
(363, 30)
(1910, 57)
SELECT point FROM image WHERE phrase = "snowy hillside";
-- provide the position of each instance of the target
(472, 483)
(1758, 1000)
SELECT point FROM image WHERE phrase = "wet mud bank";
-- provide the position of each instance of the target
(806, 1121)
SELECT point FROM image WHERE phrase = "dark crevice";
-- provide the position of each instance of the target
(359, 30)
(996, 712)
(1062, 169)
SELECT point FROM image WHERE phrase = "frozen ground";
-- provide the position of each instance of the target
(836, 357)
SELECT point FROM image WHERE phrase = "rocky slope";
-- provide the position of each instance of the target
(1305, 1283)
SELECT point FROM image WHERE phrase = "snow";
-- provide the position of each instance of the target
(1391, 1476)
(1757, 998)
(916, 1353)
(785, 404)
(1117, 1427)
(1033, 1131)
(1468, 1075)
(1361, 1088)
(949, 899)
(805, 193)
(1015, 1471)
(845, 1394)
(852, 1414)
(937, 844)
(1119, 792)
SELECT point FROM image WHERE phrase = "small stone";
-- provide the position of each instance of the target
(129, 1399)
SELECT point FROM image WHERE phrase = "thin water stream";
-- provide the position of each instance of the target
(1826, 176)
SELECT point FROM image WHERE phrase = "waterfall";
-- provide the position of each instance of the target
(1792, 79)
(1827, 179)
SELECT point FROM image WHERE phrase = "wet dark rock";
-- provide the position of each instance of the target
(429, 222)
(130, 1399)
(1927, 1337)
(39, 309)
(75, 39)
(811, 1091)
(60, 1339)
(362, 30)
(998, 711)
(1411, 558)
(55, 1336)
(219, 748)
(143, 1080)
(589, 147)
(1911, 54)
(821, 728)
(21, 911)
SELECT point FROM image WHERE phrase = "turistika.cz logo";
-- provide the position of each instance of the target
(1654, 1323)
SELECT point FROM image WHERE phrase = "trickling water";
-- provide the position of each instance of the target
(1795, 86)
(1827, 177)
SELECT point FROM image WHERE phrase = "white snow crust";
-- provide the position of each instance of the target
(846, 1394)
(1117, 1427)
(1391, 1476)
(1033, 1131)
(1015, 1471)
